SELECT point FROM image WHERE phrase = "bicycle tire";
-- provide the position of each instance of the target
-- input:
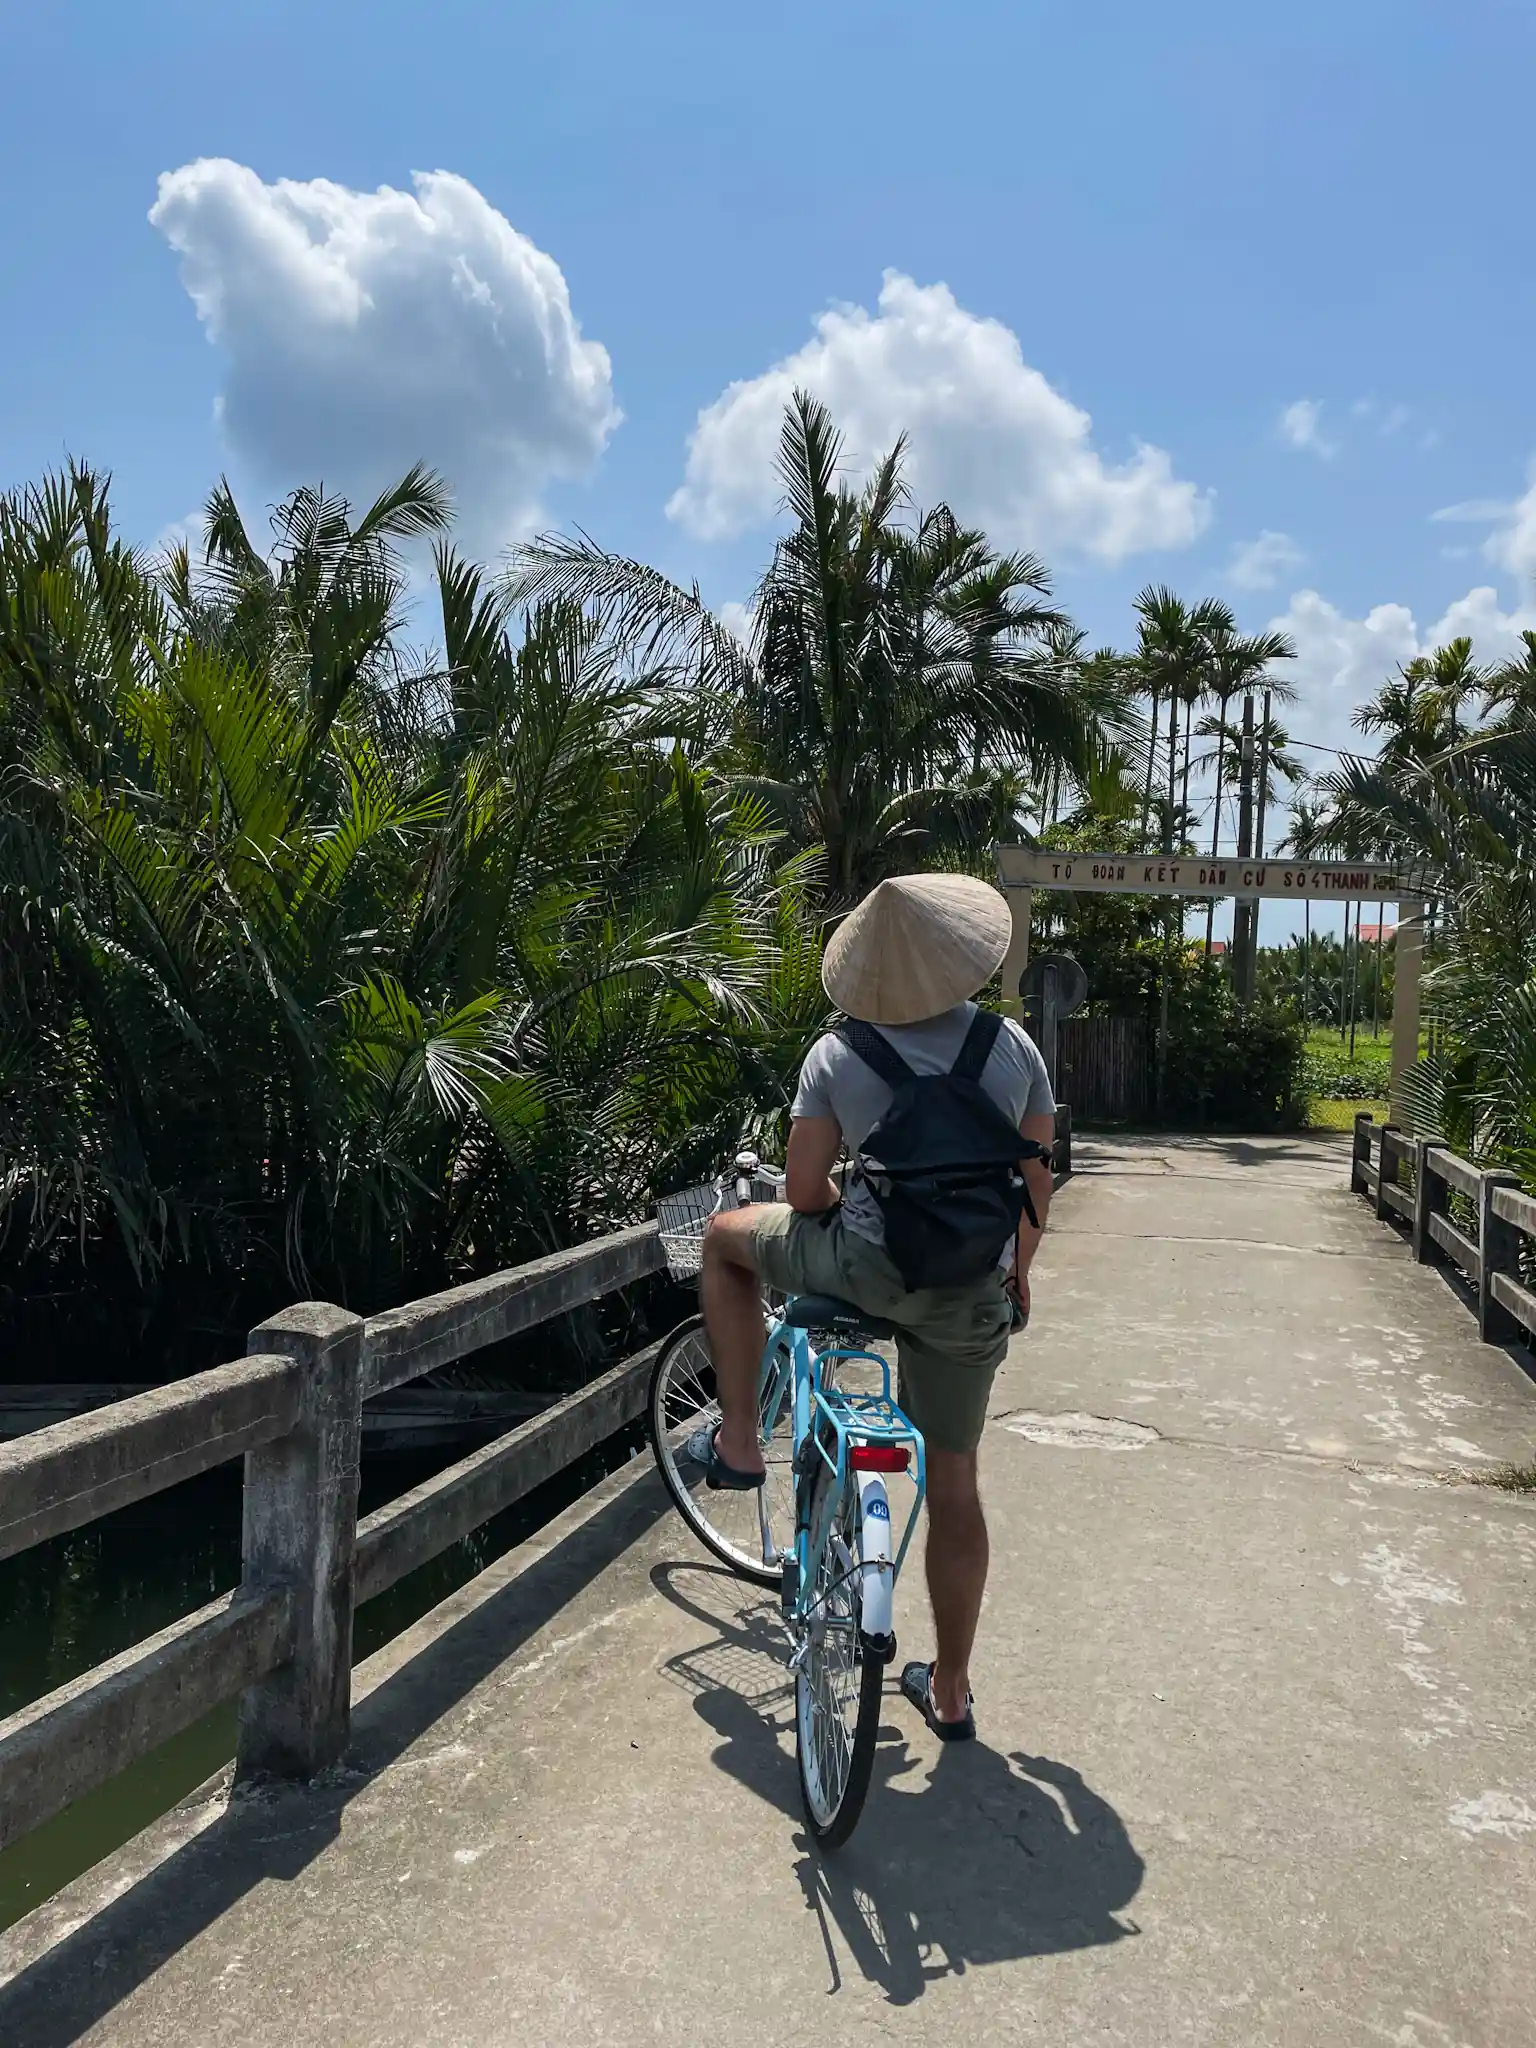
(681, 1398)
(832, 1811)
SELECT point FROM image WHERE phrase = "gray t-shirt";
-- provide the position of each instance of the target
(835, 1082)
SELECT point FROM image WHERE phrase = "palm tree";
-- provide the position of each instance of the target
(1306, 825)
(1237, 664)
(1270, 739)
(1510, 689)
(1450, 797)
(1169, 659)
(1422, 709)
(323, 968)
(901, 679)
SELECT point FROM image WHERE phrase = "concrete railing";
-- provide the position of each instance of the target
(1502, 1216)
(282, 1640)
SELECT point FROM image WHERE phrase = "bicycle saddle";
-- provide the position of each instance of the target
(828, 1312)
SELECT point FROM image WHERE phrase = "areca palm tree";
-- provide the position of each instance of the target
(1176, 664)
(1270, 737)
(1510, 689)
(1240, 663)
(1425, 707)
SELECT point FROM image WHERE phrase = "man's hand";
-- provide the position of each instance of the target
(1016, 1287)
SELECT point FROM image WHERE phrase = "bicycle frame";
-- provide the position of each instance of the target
(826, 1423)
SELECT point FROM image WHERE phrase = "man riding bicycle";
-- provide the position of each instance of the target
(902, 968)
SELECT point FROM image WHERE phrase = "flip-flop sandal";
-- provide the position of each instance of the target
(917, 1686)
(718, 1476)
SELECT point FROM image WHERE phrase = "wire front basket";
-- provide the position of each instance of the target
(683, 1218)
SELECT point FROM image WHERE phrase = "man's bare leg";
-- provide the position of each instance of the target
(957, 1557)
(733, 1316)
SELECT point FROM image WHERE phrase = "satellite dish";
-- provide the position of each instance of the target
(1058, 975)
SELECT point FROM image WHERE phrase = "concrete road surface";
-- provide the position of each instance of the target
(1256, 1762)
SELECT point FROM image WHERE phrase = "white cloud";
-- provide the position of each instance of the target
(1301, 426)
(1512, 543)
(986, 432)
(1261, 564)
(1340, 661)
(1473, 511)
(1394, 419)
(738, 619)
(1495, 634)
(186, 532)
(365, 331)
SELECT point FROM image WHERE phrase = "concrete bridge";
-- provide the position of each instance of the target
(1256, 1762)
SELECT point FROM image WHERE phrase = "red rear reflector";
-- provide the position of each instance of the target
(878, 1457)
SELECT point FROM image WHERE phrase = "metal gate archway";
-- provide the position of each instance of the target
(1021, 870)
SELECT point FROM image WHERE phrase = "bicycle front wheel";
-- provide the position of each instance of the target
(737, 1527)
(837, 1685)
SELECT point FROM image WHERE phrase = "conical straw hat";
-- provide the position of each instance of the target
(915, 947)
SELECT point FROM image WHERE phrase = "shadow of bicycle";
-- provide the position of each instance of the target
(964, 1856)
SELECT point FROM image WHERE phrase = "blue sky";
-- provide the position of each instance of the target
(1288, 253)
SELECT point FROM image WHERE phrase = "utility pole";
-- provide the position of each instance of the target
(1381, 919)
(1306, 964)
(1161, 1083)
(1258, 850)
(1354, 985)
(1243, 919)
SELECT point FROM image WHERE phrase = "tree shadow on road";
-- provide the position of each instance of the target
(963, 1857)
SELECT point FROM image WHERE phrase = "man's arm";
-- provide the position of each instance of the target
(814, 1143)
(1037, 1178)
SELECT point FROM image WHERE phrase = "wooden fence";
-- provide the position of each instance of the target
(1105, 1068)
(1412, 1181)
(282, 1640)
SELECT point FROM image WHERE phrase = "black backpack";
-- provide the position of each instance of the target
(944, 1163)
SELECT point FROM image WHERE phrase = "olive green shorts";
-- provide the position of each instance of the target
(949, 1340)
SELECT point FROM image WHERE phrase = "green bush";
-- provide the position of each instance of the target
(1332, 1074)
(1241, 1069)
(1342, 1080)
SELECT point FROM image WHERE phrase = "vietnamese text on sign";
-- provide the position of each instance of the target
(1021, 867)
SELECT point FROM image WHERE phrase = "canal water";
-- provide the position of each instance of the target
(71, 1603)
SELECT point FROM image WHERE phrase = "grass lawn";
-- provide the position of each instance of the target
(1326, 1044)
(1342, 1087)
(1336, 1113)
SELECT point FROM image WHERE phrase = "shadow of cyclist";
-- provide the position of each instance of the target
(963, 1857)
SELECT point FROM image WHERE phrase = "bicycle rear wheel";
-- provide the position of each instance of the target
(682, 1400)
(837, 1685)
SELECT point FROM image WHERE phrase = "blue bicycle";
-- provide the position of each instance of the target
(819, 1530)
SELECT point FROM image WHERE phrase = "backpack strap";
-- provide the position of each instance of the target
(876, 1052)
(977, 1049)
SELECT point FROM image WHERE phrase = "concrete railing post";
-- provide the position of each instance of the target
(1391, 1163)
(1499, 1244)
(1429, 1193)
(1360, 1156)
(300, 1533)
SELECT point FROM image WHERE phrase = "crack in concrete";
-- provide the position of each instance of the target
(1263, 1244)
(1067, 1431)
